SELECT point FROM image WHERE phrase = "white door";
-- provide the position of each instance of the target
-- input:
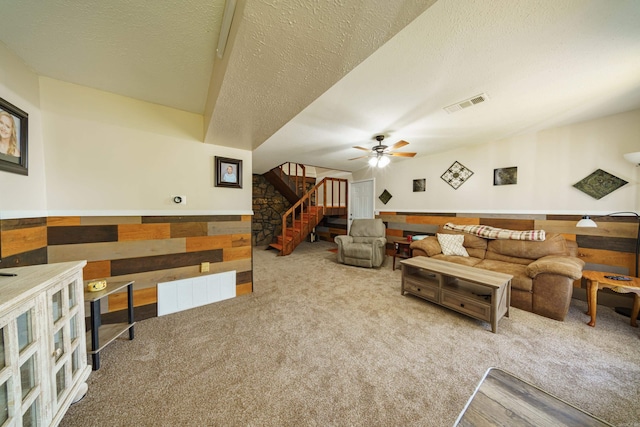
(361, 200)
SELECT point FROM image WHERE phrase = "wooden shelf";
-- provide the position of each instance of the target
(107, 334)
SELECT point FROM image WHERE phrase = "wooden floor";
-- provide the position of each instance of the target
(504, 400)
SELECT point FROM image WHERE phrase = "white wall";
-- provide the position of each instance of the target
(111, 155)
(23, 196)
(549, 163)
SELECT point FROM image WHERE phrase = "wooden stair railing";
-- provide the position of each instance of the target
(306, 213)
(289, 183)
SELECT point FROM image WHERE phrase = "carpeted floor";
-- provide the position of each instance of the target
(323, 344)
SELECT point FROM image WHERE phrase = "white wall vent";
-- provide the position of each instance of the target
(466, 103)
(184, 294)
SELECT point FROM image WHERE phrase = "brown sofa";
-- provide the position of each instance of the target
(543, 271)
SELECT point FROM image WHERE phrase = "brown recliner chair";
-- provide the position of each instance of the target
(365, 244)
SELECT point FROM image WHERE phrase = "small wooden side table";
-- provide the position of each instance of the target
(402, 250)
(597, 280)
(102, 335)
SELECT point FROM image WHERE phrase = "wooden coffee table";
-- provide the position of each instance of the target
(597, 280)
(481, 294)
(501, 399)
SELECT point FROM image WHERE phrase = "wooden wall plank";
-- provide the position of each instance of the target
(140, 297)
(241, 240)
(14, 224)
(163, 262)
(65, 235)
(143, 232)
(230, 254)
(609, 243)
(97, 270)
(61, 221)
(192, 218)
(115, 250)
(229, 227)
(35, 257)
(189, 229)
(194, 244)
(509, 224)
(244, 277)
(608, 229)
(21, 240)
(244, 289)
(109, 220)
(607, 257)
(441, 220)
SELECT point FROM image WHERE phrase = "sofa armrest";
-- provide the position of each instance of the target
(429, 245)
(555, 264)
(379, 242)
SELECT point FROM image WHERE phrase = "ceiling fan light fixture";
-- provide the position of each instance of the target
(383, 161)
(373, 162)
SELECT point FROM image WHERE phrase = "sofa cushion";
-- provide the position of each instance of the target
(429, 245)
(451, 244)
(555, 244)
(358, 250)
(520, 281)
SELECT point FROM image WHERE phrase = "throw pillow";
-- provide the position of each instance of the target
(451, 244)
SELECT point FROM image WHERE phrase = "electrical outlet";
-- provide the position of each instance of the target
(179, 200)
(204, 267)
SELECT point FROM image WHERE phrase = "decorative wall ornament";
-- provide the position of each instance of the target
(419, 185)
(385, 197)
(456, 175)
(505, 176)
(599, 184)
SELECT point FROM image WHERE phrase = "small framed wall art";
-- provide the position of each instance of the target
(419, 185)
(228, 172)
(14, 143)
(505, 176)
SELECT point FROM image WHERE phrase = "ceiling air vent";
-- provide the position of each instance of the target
(466, 103)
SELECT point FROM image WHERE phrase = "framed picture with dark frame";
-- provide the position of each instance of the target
(14, 139)
(228, 172)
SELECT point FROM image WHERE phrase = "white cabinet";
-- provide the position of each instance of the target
(43, 359)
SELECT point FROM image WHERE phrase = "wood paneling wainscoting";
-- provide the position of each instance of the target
(146, 249)
(609, 247)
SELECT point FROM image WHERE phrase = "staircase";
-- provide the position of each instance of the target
(307, 212)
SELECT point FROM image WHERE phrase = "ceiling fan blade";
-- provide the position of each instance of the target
(399, 144)
(402, 154)
(361, 157)
(362, 148)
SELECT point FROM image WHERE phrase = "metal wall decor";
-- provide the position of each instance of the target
(385, 197)
(456, 175)
(419, 185)
(599, 184)
(505, 176)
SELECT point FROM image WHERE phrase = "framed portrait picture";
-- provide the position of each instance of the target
(419, 185)
(228, 172)
(14, 145)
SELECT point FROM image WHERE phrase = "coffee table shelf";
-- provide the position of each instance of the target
(481, 294)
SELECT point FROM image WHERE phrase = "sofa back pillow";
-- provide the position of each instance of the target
(522, 251)
(451, 244)
(475, 246)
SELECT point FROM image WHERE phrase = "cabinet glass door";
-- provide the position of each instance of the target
(20, 388)
(67, 327)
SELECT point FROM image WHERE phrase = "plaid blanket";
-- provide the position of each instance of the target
(497, 233)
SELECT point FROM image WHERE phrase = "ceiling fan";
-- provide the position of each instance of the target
(379, 154)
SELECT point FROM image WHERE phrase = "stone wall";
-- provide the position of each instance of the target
(268, 207)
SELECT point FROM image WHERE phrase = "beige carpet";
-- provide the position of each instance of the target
(323, 344)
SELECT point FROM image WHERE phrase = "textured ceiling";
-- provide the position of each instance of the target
(306, 80)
